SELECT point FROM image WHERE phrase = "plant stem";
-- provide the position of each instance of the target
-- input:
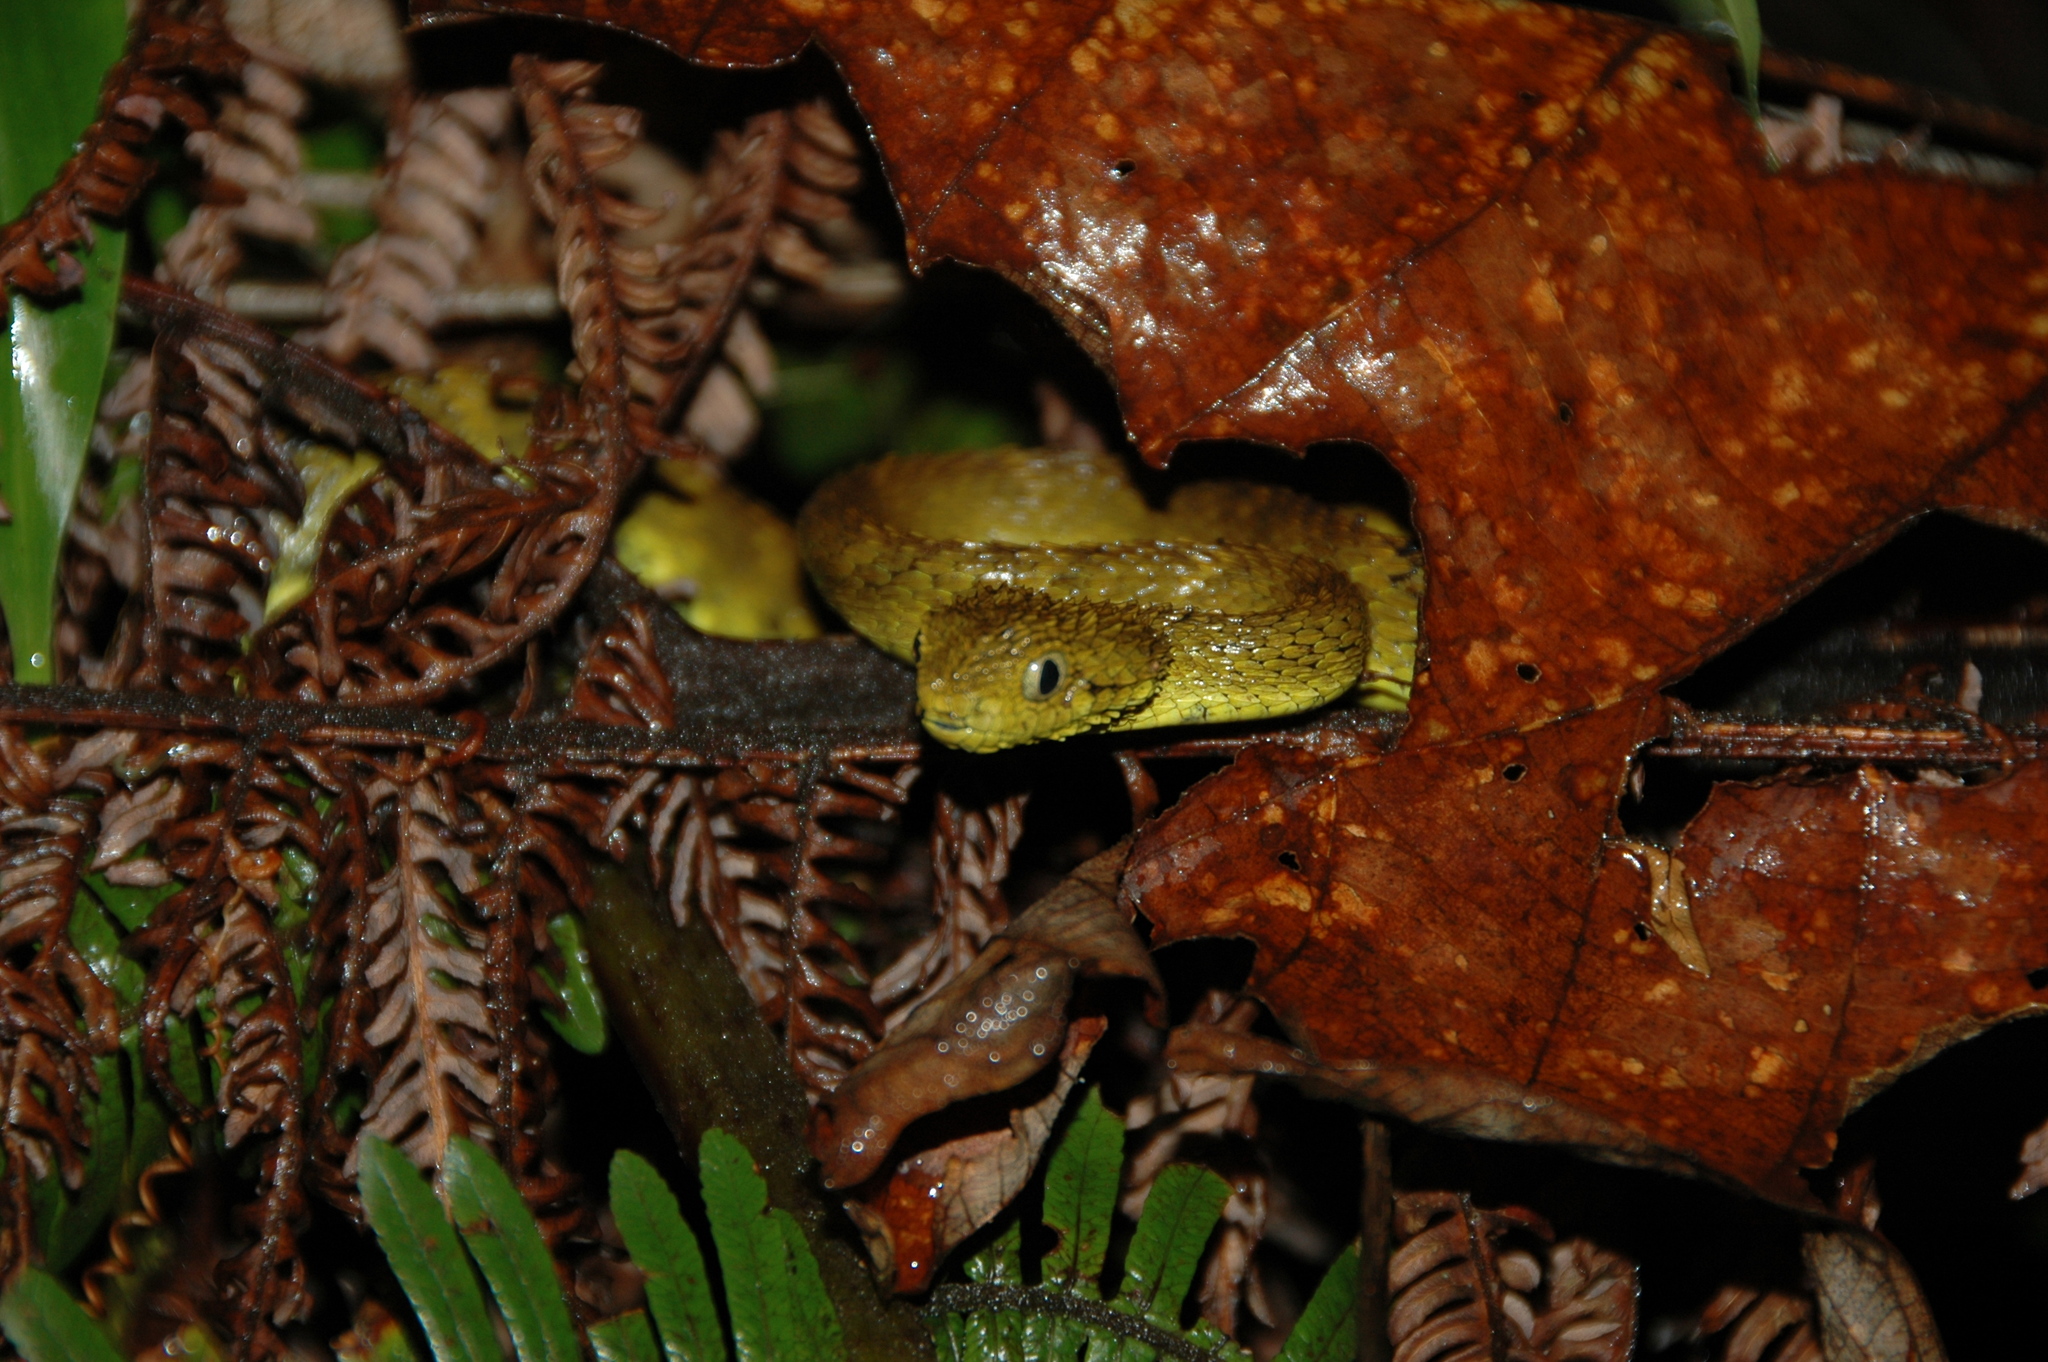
(710, 1060)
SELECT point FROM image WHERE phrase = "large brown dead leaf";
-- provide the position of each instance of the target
(1646, 392)
(1644, 387)
(1854, 926)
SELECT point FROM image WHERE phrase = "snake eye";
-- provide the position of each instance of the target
(1043, 675)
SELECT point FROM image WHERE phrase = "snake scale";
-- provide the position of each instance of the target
(1041, 597)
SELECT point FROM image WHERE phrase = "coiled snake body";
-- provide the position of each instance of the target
(1041, 597)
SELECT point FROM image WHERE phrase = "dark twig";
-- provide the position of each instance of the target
(963, 1297)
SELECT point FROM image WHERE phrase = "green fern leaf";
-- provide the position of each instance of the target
(779, 1309)
(1739, 20)
(1182, 1208)
(425, 1252)
(506, 1243)
(45, 1325)
(580, 1020)
(1328, 1330)
(1080, 1194)
(625, 1338)
(662, 1246)
(67, 1223)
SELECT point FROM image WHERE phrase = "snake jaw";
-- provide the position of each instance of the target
(977, 661)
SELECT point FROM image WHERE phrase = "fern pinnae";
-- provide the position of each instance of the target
(624, 1338)
(1080, 1194)
(773, 1290)
(505, 1240)
(425, 1252)
(1328, 1329)
(663, 1247)
(1179, 1215)
(45, 1325)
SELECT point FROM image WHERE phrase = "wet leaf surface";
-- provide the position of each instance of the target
(1855, 925)
(1646, 390)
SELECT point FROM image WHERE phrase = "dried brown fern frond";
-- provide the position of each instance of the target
(106, 544)
(429, 1016)
(754, 849)
(209, 560)
(218, 952)
(439, 569)
(1464, 1289)
(647, 318)
(253, 188)
(387, 292)
(56, 1015)
(760, 848)
(818, 243)
(178, 53)
(1748, 1324)
(432, 913)
(970, 856)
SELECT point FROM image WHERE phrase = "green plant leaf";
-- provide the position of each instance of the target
(68, 1222)
(816, 1323)
(507, 1244)
(425, 1253)
(1080, 1194)
(581, 1019)
(664, 1249)
(773, 1290)
(624, 1338)
(1328, 1330)
(1181, 1209)
(1738, 20)
(51, 60)
(45, 1325)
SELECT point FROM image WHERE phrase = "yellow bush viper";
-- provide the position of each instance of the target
(1040, 596)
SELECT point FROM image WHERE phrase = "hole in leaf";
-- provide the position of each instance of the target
(1514, 770)
(1529, 671)
(1123, 169)
(1681, 84)
(1945, 593)
(1642, 931)
(2038, 978)
(1290, 860)
(1669, 792)
(1564, 412)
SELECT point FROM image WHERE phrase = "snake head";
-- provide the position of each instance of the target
(1003, 666)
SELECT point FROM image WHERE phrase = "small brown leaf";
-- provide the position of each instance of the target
(935, 1199)
(993, 1027)
(1871, 1308)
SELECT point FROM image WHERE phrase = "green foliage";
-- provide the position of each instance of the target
(51, 61)
(425, 1253)
(627, 1338)
(1328, 1330)
(777, 1300)
(506, 1243)
(1013, 1311)
(678, 1288)
(773, 1288)
(1080, 1194)
(45, 1325)
(580, 1019)
(1736, 19)
(67, 1222)
(860, 401)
